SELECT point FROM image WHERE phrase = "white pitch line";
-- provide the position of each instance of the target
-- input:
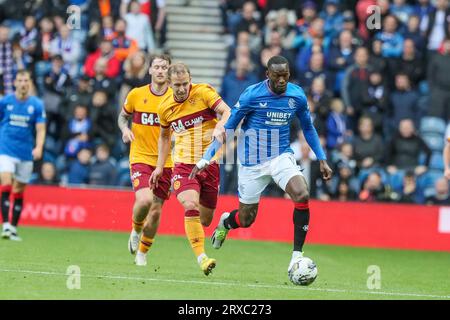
(262, 286)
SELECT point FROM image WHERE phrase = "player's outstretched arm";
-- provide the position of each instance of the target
(122, 121)
(232, 121)
(163, 153)
(40, 139)
(447, 160)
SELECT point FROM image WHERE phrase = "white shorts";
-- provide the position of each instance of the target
(252, 180)
(21, 170)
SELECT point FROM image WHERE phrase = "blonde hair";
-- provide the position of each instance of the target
(178, 68)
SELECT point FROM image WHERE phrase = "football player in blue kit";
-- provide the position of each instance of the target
(267, 110)
(22, 136)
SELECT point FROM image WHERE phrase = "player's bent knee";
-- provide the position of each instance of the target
(191, 205)
(301, 196)
(144, 202)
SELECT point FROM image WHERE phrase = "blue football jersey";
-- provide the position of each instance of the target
(18, 124)
(265, 131)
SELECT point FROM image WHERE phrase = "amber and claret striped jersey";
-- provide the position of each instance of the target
(192, 121)
(142, 104)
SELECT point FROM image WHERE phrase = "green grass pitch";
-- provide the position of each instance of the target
(36, 269)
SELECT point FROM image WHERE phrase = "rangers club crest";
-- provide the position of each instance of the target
(291, 103)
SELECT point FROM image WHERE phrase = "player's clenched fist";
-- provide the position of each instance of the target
(37, 153)
(127, 135)
(325, 170)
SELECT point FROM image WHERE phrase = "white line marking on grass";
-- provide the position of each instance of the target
(248, 285)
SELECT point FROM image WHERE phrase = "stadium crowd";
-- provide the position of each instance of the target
(379, 95)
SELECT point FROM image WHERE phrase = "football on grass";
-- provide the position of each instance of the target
(303, 272)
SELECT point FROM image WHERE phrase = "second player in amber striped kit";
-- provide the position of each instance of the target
(141, 107)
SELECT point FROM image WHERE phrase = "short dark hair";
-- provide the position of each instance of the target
(277, 60)
(166, 57)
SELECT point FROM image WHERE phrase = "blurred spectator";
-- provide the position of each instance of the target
(79, 168)
(413, 32)
(98, 31)
(403, 101)
(321, 98)
(230, 13)
(158, 20)
(344, 192)
(355, 81)
(340, 58)
(373, 189)
(66, 46)
(56, 82)
(316, 69)
(423, 9)
(375, 101)
(106, 51)
(42, 53)
(410, 192)
(345, 157)
(77, 132)
(27, 38)
(103, 117)
(349, 24)
(392, 41)
(280, 23)
(404, 150)
(367, 145)
(240, 48)
(79, 95)
(102, 8)
(144, 6)
(235, 82)
(439, 82)
(19, 60)
(332, 17)
(123, 45)
(47, 175)
(274, 48)
(336, 124)
(309, 13)
(438, 25)
(376, 59)
(344, 173)
(136, 69)
(55, 7)
(441, 196)
(139, 27)
(101, 81)
(314, 41)
(271, 5)
(6, 62)
(102, 171)
(401, 10)
(248, 21)
(409, 63)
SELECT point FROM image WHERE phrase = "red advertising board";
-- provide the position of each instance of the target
(339, 223)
